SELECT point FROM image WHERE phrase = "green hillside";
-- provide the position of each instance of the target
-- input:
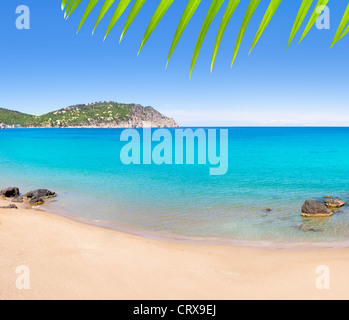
(13, 117)
(79, 115)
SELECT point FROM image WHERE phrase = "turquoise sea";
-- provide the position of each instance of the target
(269, 168)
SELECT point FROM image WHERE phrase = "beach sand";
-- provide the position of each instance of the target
(71, 260)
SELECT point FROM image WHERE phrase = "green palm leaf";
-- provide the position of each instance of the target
(73, 7)
(344, 32)
(249, 13)
(212, 12)
(225, 20)
(87, 12)
(305, 6)
(106, 6)
(134, 12)
(64, 3)
(273, 6)
(341, 32)
(68, 7)
(123, 4)
(158, 15)
(186, 17)
(316, 14)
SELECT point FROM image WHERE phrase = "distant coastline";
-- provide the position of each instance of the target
(106, 115)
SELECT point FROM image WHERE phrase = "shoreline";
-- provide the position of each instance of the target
(72, 260)
(195, 240)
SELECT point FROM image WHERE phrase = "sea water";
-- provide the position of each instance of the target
(269, 168)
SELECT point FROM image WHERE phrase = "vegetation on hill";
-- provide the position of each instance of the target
(84, 115)
(13, 117)
(99, 114)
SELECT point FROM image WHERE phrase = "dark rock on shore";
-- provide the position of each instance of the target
(11, 206)
(334, 203)
(10, 192)
(36, 201)
(41, 193)
(18, 199)
(313, 208)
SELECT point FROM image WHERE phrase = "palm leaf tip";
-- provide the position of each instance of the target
(248, 16)
(134, 12)
(188, 13)
(315, 15)
(63, 4)
(211, 14)
(303, 10)
(122, 6)
(231, 7)
(273, 6)
(343, 28)
(88, 10)
(105, 8)
(158, 15)
(68, 6)
(73, 7)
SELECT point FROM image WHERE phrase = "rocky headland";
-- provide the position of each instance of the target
(94, 115)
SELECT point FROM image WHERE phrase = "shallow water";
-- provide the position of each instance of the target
(275, 168)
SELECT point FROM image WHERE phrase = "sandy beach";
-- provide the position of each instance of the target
(71, 260)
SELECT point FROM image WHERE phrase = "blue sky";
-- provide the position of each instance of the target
(50, 66)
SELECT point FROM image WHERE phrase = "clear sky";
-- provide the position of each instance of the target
(50, 66)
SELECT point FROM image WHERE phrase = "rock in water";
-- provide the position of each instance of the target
(313, 208)
(334, 203)
(10, 192)
(41, 193)
(36, 201)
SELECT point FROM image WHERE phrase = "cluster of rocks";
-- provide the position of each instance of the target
(325, 208)
(34, 198)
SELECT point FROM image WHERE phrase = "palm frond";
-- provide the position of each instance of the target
(305, 6)
(232, 5)
(87, 12)
(120, 9)
(158, 15)
(73, 7)
(248, 16)
(316, 14)
(105, 8)
(70, 6)
(133, 14)
(64, 3)
(341, 32)
(273, 6)
(344, 32)
(67, 7)
(186, 17)
(212, 12)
